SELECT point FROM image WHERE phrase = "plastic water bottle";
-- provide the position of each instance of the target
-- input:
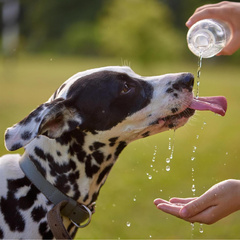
(208, 37)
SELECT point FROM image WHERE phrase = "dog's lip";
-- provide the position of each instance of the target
(186, 113)
(216, 104)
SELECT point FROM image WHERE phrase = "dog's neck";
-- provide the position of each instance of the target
(81, 166)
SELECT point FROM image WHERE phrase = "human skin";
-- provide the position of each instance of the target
(218, 202)
(228, 12)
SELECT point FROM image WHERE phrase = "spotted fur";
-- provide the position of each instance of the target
(75, 138)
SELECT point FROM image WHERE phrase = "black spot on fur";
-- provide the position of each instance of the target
(14, 184)
(38, 213)
(86, 198)
(11, 213)
(77, 193)
(97, 145)
(16, 146)
(40, 153)
(59, 153)
(89, 168)
(1, 234)
(112, 141)
(109, 157)
(171, 125)
(62, 183)
(39, 167)
(27, 201)
(95, 196)
(120, 147)
(175, 95)
(104, 173)
(26, 135)
(7, 135)
(169, 90)
(98, 156)
(174, 110)
(146, 134)
(45, 231)
(73, 177)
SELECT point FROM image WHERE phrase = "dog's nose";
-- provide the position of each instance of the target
(185, 81)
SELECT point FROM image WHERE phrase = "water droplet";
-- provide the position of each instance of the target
(135, 199)
(194, 149)
(192, 225)
(160, 190)
(192, 158)
(197, 137)
(128, 224)
(149, 177)
(201, 228)
(193, 170)
(150, 236)
(168, 160)
(167, 168)
(151, 166)
(193, 188)
(226, 153)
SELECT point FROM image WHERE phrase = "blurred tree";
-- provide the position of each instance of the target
(139, 29)
(58, 24)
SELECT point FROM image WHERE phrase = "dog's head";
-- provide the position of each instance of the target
(110, 99)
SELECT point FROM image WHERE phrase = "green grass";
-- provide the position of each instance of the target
(29, 81)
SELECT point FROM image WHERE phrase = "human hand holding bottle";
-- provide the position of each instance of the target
(218, 202)
(228, 12)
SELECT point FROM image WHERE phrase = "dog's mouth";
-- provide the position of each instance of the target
(216, 105)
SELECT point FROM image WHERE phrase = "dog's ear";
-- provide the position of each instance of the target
(49, 119)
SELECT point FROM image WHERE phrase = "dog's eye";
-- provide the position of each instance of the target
(126, 88)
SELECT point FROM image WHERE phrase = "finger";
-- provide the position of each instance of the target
(181, 200)
(208, 6)
(170, 208)
(232, 46)
(160, 200)
(204, 13)
(198, 205)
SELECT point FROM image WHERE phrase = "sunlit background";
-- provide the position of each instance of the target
(45, 42)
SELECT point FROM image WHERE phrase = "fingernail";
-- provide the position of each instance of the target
(184, 213)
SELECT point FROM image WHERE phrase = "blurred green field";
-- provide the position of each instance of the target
(125, 207)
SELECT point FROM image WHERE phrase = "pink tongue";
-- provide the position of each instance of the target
(215, 104)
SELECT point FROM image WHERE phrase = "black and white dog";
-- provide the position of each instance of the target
(76, 136)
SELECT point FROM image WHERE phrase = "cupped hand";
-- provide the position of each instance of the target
(218, 202)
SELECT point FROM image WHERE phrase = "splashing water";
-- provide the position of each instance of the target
(170, 148)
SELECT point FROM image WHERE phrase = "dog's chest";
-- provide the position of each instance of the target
(23, 207)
